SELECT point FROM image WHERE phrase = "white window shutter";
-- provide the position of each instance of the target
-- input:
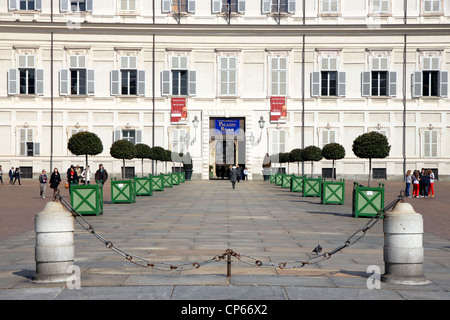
(115, 82)
(117, 135)
(291, 6)
(36, 149)
(417, 82)
(89, 5)
(63, 5)
(315, 84)
(241, 6)
(141, 82)
(13, 5)
(392, 83)
(191, 6)
(341, 83)
(38, 5)
(138, 136)
(265, 6)
(216, 6)
(192, 80)
(39, 82)
(166, 82)
(90, 82)
(443, 84)
(166, 6)
(64, 82)
(434, 144)
(366, 83)
(13, 81)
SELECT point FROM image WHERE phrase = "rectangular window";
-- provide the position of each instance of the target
(278, 76)
(129, 135)
(179, 5)
(330, 6)
(430, 83)
(78, 76)
(228, 76)
(179, 82)
(129, 82)
(26, 142)
(279, 6)
(430, 143)
(27, 81)
(432, 6)
(379, 83)
(328, 136)
(179, 141)
(128, 5)
(26, 5)
(328, 83)
(278, 141)
(78, 5)
(381, 6)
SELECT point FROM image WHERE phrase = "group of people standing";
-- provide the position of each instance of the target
(14, 175)
(422, 183)
(73, 178)
(237, 174)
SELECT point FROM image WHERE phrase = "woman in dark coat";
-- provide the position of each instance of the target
(55, 179)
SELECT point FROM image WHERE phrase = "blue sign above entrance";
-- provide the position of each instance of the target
(227, 126)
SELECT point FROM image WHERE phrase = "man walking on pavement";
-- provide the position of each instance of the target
(233, 176)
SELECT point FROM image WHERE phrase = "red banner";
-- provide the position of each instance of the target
(278, 109)
(179, 110)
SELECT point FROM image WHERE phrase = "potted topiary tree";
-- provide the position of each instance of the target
(333, 151)
(188, 166)
(85, 143)
(312, 153)
(143, 151)
(371, 145)
(123, 149)
(296, 155)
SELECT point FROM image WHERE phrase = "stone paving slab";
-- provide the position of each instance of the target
(257, 219)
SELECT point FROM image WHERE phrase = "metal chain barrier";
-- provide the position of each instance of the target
(244, 258)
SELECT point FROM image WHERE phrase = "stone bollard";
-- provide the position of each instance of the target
(54, 251)
(403, 246)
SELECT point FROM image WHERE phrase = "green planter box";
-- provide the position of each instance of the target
(87, 199)
(367, 201)
(122, 191)
(167, 180)
(272, 178)
(312, 187)
(156, 183)
(182, 177)
(333, 192)
(175, 178)
(286, 180)
(297, 184)
(278, 179)
(142, 186)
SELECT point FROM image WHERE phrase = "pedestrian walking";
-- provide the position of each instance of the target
(233, 177)
(101, 174)
(432, 177)
(43, 183)
(17, 176)
(11, 175)
(415, 180)
(1, 174)
(55, 179)
(86, 175)
(408, 180)
(72, 177)
(245, 174)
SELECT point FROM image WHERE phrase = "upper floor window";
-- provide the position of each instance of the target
(379, 81)
(179, 81)
(278, 6)
(24, 5)
(278, 76)
(128, 81)
(432, 6)
(381, 6)
(75, 5)
(26, 79)
(182, 6)
(431, 81)
(132, 135)
(77, 79)
(328, 81)
(228, 76)
(128, 5)
(228, 6)
(329, 6)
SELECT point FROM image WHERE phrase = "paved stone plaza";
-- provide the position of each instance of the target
(198, 220)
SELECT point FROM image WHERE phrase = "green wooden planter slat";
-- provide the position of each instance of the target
(156, 183)
(175, 178)
(286, 180)
(87, 199)
(278, 179)
(272, 178)
(122, 191)
(367, 201)
(333, 192)
(312, 187)
(142, 186)
(167, 180)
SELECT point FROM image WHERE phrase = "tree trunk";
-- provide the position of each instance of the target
(370, 171)
(142, 166)
(123, 170)
(332, 172)
(312, 168)
(85, 168)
